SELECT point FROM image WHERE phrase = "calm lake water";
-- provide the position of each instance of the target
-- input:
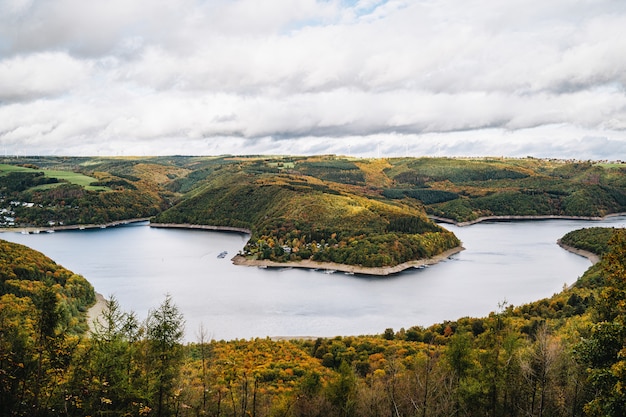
(515, 262)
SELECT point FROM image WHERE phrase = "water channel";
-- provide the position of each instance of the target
(516, 262)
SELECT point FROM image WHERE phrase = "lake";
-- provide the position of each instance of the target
(516, 262)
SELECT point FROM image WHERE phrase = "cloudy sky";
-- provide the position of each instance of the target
(367, 78)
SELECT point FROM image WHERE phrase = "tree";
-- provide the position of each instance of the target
(539, 368)
(164, 331)
(18, 360)
(46, 305)
(604, 352)
(458, 355)
(113, 344)
(342, 391)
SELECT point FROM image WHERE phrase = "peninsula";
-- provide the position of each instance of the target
(330, 212)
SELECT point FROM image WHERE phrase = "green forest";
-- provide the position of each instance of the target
(560, 356)
(366, 212)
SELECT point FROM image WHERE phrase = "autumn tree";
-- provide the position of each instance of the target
(604, 352)
(341, 392)
(459, 359)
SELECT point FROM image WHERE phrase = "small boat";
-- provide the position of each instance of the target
(330, 271)
(222, 254)
(50, 231)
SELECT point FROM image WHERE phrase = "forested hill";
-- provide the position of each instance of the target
(561, 356)
(42, 312)
(369, 212)
(294, 216)
(34, 284)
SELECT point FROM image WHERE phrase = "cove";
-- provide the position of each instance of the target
(516, 262)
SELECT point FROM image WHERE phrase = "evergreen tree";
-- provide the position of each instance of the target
(114, 364)
(604, 351)
(164, 331)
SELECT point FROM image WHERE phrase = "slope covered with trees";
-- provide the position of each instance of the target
(561, 356)
(294, 216)
(465, 190)
(42, 312)
(371, 213)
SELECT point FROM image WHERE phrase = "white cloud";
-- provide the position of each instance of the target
(157, 76)
(40, 75)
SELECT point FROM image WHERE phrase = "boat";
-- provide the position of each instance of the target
(222, 254)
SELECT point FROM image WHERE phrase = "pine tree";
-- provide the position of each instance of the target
(604, 351)
(164, 331)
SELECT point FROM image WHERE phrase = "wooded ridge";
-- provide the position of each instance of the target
(364, 212)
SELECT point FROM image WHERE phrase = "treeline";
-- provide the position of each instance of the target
(72, 204)
(555, 357)
(15, 182)
(457, 189)
(335, 170)
(387, 249)
(592, 239)
(465, 190)
(421, 171)
(425, 195)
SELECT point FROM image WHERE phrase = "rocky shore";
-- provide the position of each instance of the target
(351, 269)
(593, 258)
(34, 229)
(200, 227)
(515, 218)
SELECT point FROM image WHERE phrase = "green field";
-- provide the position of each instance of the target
(63, 176)
(612, 165)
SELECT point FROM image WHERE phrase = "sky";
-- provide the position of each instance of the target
(364, 78)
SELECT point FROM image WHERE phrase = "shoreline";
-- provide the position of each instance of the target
(522, 217)
(200, 227)
(351, 269)
(95, 310)
(35, 229)
(593, 258)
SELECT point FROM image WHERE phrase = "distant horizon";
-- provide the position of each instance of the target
(268, 155)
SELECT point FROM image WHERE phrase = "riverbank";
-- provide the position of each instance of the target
(350, 269)
(308, 264)
(516, 218)
(593, 258)
(200, 227)
(49, 229)
(95, 310)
